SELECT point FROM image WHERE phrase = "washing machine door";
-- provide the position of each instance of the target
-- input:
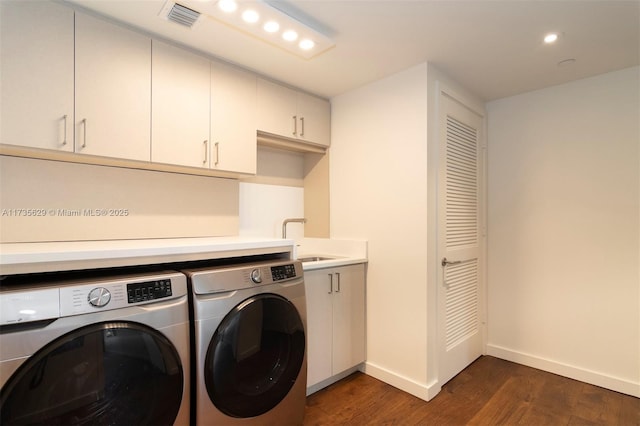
(255, 356)
(113, 373)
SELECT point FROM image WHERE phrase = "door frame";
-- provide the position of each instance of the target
(435, 272)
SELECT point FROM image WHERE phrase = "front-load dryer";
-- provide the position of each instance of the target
(96, 351)
(250, 344)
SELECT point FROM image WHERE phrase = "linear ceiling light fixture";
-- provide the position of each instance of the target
(264, 21)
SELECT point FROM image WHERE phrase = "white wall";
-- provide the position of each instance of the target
(274, 194)
(264, 207)
(378, 175)
(152, 204)
(156, 204)
(564, 229)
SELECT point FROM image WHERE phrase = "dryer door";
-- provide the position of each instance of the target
(112, 373)
(255, 356)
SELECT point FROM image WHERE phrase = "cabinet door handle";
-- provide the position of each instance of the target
(330, 283)
(64, 123)
(217, 145)
(338, 279)
(84, 132)
(206, 152)
(302, 123)
(295, 125)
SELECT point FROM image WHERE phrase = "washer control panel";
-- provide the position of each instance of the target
(36, 301)
(150, 290)
(120, 292)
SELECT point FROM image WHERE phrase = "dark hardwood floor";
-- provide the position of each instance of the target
(490, 391)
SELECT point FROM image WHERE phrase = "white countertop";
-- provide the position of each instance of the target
(332, 263)
(19, 258)
(23, 258)
(342, 252)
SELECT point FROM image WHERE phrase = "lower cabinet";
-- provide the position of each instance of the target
(335, 321)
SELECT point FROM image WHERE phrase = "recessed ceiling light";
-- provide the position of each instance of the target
(551, 38)
(271, 27)
(306, 44)
(250, 16)
(290, 35)
(228, 6)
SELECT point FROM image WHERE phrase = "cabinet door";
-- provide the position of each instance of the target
(319, 325)
(277, 107)
(180, 107)
(348, 317)
(36, 74)
(113, 90)
(314, 119)
(233, 119)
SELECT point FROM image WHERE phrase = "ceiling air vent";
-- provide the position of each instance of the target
(180, 14)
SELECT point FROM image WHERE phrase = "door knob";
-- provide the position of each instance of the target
(446, 262)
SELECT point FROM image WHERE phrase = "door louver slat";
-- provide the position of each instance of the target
(461, 301)
(462, 184)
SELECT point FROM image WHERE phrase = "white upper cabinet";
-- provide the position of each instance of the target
(233, 119)
(36, 75)
(314, 119)
(113, 90)
(276, 109)
(180, 107)
(292, 114)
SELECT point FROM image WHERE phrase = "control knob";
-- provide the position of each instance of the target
(99, 297)
(256, 276)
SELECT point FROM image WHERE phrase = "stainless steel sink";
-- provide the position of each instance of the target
(315, 258)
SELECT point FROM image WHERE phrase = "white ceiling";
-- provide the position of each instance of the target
(493, 48)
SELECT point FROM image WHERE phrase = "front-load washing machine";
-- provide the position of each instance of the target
(96, 351)
(250, 344)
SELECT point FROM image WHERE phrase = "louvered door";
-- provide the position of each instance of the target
(459, 238)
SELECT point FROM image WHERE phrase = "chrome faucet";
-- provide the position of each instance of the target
(284, 224)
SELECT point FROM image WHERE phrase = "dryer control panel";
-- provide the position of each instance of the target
(237, 277)
(283, 272)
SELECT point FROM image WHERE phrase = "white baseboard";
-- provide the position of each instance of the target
(331, 380)
(420, 390)
(577, 373)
